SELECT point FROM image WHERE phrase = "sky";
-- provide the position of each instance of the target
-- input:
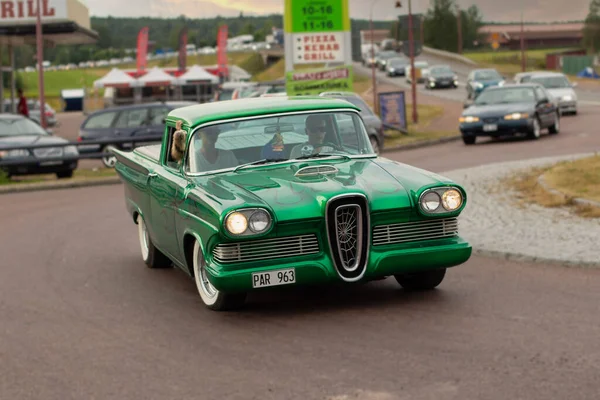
(505, 10)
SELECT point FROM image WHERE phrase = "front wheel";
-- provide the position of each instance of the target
(418, 281)
(555, 128)
(109, 161)
(212, 297)
(469, 139)
(536, 130)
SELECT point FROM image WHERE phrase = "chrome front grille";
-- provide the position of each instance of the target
(415, 231)
(348, 229)
(266, 249)
(48, 152)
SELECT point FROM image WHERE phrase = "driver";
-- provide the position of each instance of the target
(209, 158)
(316, 129)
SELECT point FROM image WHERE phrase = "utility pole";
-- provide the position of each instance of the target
(374, 80)
(459, 29)
(40, 60)
(523, 61)
(411, 45)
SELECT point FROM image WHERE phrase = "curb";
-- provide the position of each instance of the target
(577, 200)
(421, 144)
(517, 257)
(22, 188)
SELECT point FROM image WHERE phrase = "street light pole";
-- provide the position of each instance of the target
(523, 61)
(459, 27)
(374, 80)
(40, 60)
(411, 46)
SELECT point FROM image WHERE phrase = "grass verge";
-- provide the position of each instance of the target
(572, 177)
(78, 175)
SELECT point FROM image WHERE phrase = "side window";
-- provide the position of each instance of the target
(540, 94)
(347, 130)
(101, 121)
(157, 115)
(132, 118)
(170, 161)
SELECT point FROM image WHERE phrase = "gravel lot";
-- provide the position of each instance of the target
(495, 224)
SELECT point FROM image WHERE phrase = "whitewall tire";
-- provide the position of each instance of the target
(150, 254)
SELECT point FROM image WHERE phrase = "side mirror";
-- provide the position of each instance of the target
(50, 131)
(467, 104)
(542, 102)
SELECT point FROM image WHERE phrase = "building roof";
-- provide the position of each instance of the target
(195, 115)
(506, 33)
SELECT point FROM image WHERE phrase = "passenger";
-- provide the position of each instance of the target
(316, 129)
(208, 157)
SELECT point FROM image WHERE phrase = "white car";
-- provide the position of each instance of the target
(559, 87)
(422, 66)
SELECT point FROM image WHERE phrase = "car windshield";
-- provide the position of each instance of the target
(387, 54)
(488, 75)
(20, 127)
(506, 96)
(398, 62)
(265, 140)
(438, 71)
(552, 82)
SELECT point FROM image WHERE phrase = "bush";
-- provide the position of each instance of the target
(4, 177)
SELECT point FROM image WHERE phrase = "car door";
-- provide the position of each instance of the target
(167, 187)
(544, 108)
(129, 122)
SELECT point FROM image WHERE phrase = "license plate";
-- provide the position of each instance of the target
(490, 127)
(273, 278)
(50, 163)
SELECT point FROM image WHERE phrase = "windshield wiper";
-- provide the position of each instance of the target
(320, 155)
(258, 162)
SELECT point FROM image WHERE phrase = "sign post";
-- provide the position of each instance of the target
(317, 32)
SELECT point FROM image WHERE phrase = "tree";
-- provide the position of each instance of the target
(441, 25)
(591, 30)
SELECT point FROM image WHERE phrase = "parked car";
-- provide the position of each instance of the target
(16, 130)
(479, 79)
(441, 76)
(327, 210)
(145, 119)
(397, 66)
(559, 87)
(33, 107)
(421, 72)
(510, 110)
(372, 121)
(383, 57)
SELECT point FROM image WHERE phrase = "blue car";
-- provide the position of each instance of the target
(480, 79)
(510, 110)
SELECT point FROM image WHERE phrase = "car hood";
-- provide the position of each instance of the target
(30, 140)
(561, 92)
(495, 110)
(386, 184)
(449, 75)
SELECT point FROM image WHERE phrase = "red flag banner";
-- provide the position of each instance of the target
(222, 50)
(182, 49)
(142, 49)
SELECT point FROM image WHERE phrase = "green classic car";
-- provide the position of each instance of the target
(260, 192)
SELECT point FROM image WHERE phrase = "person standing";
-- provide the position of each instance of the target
(22, 106)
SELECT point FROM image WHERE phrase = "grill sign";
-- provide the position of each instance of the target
(318, 47)
(15, 11)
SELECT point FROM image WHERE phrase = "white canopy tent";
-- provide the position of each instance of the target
(196, 74)
(157, 77)
(116, 78)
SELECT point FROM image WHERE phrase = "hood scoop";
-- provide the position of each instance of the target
(316, 170)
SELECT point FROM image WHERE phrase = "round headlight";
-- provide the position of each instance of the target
(259, 221)
(237, 223)
(451, 199)
(431, 201)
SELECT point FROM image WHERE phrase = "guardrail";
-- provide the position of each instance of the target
(449, 55)
(32, 159)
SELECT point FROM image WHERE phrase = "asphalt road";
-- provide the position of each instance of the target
(82, 317)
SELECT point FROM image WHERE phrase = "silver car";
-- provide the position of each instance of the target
(559, 87)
